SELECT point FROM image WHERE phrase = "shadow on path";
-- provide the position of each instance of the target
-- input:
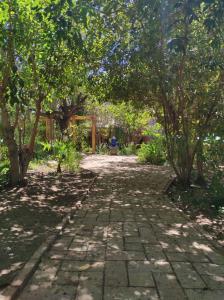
(128, 242)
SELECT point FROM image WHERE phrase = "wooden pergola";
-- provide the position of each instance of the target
(50, 127)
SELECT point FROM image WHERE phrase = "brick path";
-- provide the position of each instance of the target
(128, 242)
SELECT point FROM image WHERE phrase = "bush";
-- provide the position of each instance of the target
(214, 151)
(128, 150)
(153, 153)
(65, 153)
(216, 191)
(102, 149)
(4, 165)
(72, 158)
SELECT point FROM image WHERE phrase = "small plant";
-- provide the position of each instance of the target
(102, 149)
(153, 152)
(4, 164)
(128, 150)
(72, 158)
(65, 154)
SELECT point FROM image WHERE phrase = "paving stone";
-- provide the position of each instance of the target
(216, 258)
(170, 246)
(89, 293)
(187, 276)
(132, 240)
(115, 274)
(80, 239)
(215, 282)
(62, 243)
(79, 266)
(130, 293)
(186, 257)
(196, 246)
(88, 278)
(201, 294)
(134, 247)
(168, 287)
(48, 292)
(67, 255)
(209, 269)
(153, 248)
(150, 266)
(140, 276)
(147, 233)
(48, 265)
(116, 243)
(79, 247)
(48, 274)
(115, 255)
(154, 254)
(67, 278)
(130, 234)
(96, 252)
(103, 218)
(69, 231)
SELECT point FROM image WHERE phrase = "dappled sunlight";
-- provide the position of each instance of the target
(173, 232)
(29, 214)
(128, 238)
(204, 247)
(85, 294)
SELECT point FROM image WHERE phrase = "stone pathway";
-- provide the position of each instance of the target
(128, 242)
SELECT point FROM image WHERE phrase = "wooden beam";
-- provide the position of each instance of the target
(93, 134)
(81, 118)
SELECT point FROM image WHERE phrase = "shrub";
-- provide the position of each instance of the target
(102, 149)
(72, 158)
(4, 164)
(128, 150)
(153, 153)
(65, 153)
(216, 191)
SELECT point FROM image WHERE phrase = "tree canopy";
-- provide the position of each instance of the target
(165, 55)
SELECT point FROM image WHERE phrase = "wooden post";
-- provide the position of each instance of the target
(49, 129)
(93, 134)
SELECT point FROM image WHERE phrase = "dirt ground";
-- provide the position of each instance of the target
(198, 206)
(29, 214)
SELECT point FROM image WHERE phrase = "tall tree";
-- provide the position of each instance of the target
(41, 43)
(174, 63)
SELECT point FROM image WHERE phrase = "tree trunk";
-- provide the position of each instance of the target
(59, 167)
(19, 157)
(13, 151)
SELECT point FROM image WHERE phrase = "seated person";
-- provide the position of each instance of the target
(113, 145)
(114, 142)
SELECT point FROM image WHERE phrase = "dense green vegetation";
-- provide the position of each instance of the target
(160, 60)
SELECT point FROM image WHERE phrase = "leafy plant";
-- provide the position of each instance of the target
(72, 158)
(153, 152)
(4, 165)
(128, 150)
(102, 149)
(64, 153)
(216, 191)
